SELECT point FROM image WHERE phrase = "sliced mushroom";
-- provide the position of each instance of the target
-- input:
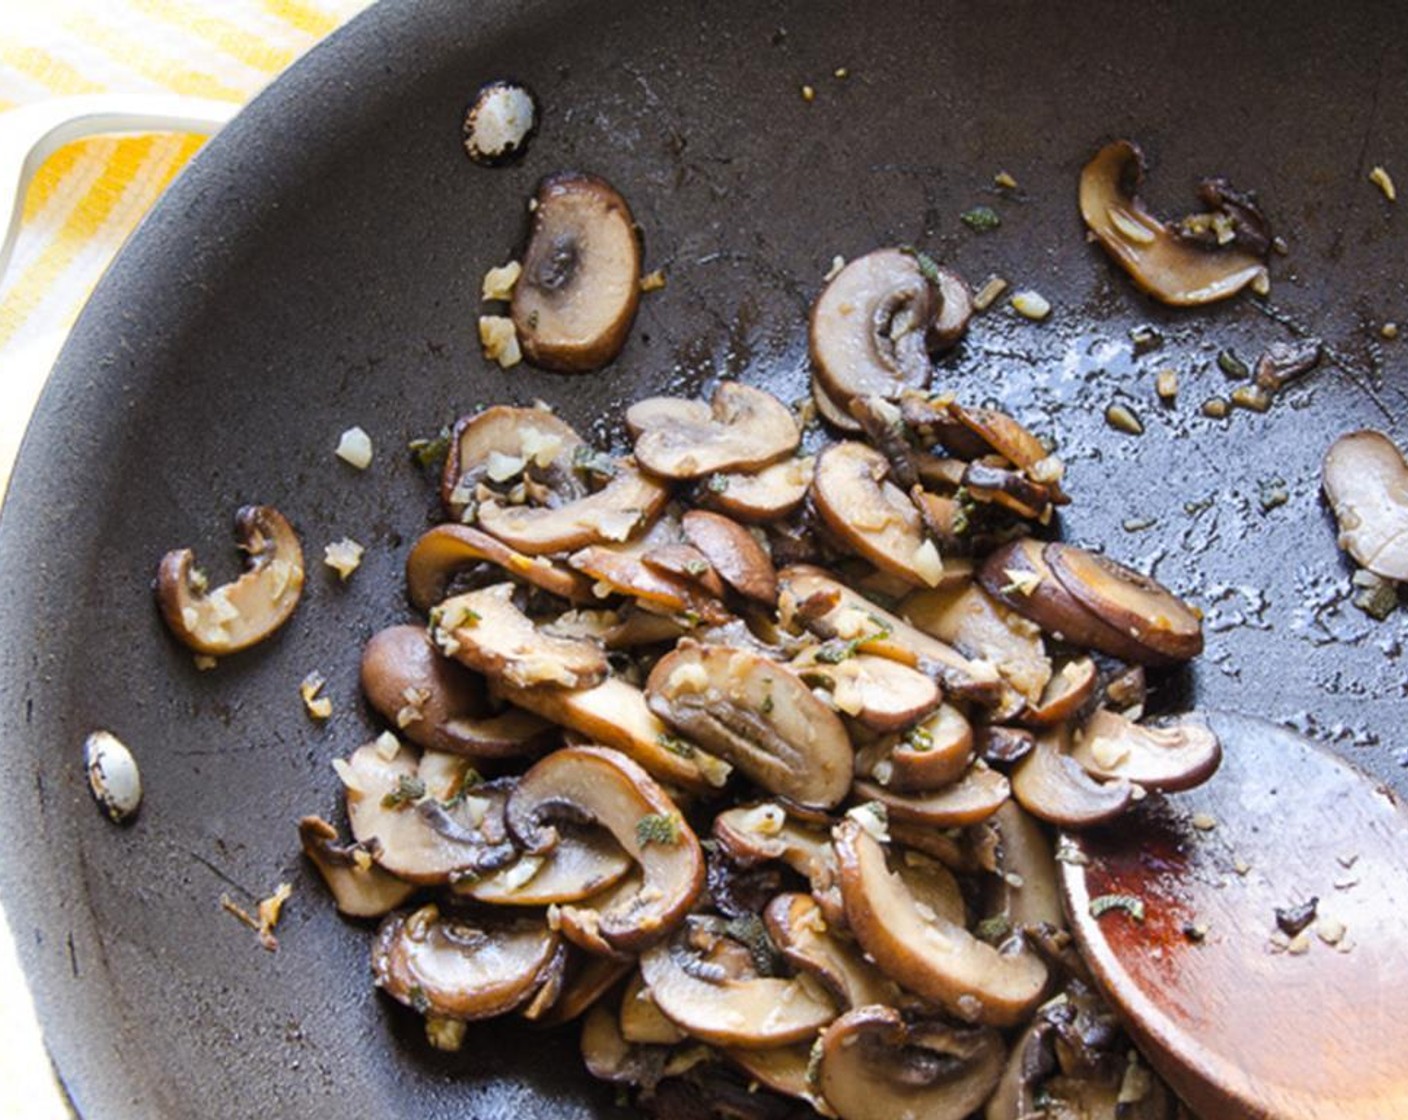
(624, 569)
(742, 429)
(761, 496)
(486, 631)
(1366, 482)
(955, 306)
(360, 888)
(977, 795)
(577, 295)
(642, 1021)
(586, 979)
(1012, 490)
(1024, 891)
(623, 508)
(1160, 262)
(877, 1066)
(237, 615)
(1001, 434)
(873, 516)
(870, 328)
(783, 1069)
(1175, 756)
(830, 411)
(1050, 784)
(757, 715)
(928, 756)
(800, 931)
(499, 444)
(923, 951)
(440, 553)
(830, 609)
(458, 967)
(499, 123)
(753, 833)
(605, 787)
(734, 554)
(609, 1057)
(1068, 693)
(878, 693)
(584, 862)
(685, 562)
(705, 982)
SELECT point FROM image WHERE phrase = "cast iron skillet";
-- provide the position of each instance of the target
(318, 267)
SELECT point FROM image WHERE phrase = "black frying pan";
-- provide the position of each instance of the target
(318, 266)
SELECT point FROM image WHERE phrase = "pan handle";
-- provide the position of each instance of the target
(31, 133)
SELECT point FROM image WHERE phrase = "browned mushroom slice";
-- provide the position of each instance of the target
(237, 615)
(685, 562)
(977, 795)
(1366, 482)
(705, 982)
(922, 950)
(587, 978)
(615, 713)
(744, 428)
(486, 631)
(878, 693)
(830, 610)
(800, 931)
(873, 516)
(1002, 434)
(502, 444)
(620, 510)
(624, 570)
(1175, 756)
(458, 967)
(642, 1021)
(584, 863)
(580, 286)
(734, 554)
(761, 496)
(440, 553)
(1009, 489)
(1165, 626)
(928, 756)
(783, 1069)
(1067, 694)
(1051, 785)
(870, 328)
(757, 715)
(830, 411)
(877, 1066)
(360, 888)
(419, 828)
(1024, 891)
(605, 787)
(955, 306)
(968, 619)
(1166, 266)
(1018, 575)
(754, 833)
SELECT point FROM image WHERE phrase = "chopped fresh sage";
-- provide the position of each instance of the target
(658, 828)
(408, 791)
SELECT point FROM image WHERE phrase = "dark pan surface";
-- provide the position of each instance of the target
(319, 267)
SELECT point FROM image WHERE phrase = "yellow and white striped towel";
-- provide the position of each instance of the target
(83, 203)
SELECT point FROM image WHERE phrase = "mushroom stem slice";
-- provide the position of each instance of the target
(440, 553)
(586, 980)
(360, 888)
(876, 1066)
(1051, 785)
(742, 429)
(923, 951)
(1160, 262)
(577, 295)
(603, 786)
(1175, 756)
(237, 615)
(1366, 481)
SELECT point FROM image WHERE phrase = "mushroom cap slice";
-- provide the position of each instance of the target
(605, 787)
(768, 494)
(503, 442)
(878, 693)
(360, 888)
(928, 756)
(626, 569)
(757, 715)
(925, 952)
(1026, 889)
(783, 1069)
(1366, 481)
(237, 615)
(1051, 785)
(586, 979)
(1175, 756)
(869, 333)
(876, 1066)
(799, 930)
(621, 509)
(832, 412)
(754, 833)
(458, 967)
(977, 795)
(577, 295)
(642, 1021)
(871, 515)
(1069, 692)
(706, 984)
(1159, 262)
(486, 631)
(732, 551)
(440, 553)
(584, 862)
(743, 428)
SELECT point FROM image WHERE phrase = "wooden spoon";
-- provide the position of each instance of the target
(1243, 1020)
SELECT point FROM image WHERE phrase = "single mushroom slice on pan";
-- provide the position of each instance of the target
(603, 786)
(733, 552)
(758, 497)
(447, 549)
(708, 983)
(360, 888)
(757, 715)
(1174, 756)
(1167, 266)
(974, 797)
(870, 329)
(580, 286)
(1051, 785)
(932, 754)
(459, 967)
(742, 429)
(499, 446)
(799, 929)
(1366, 481)
(237, 615)
(922, 950)
(486, 631)
(875, 1065)
(1069, 692)
(878, 693)
(871, 515)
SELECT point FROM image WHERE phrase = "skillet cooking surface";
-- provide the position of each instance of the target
(319, 267)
